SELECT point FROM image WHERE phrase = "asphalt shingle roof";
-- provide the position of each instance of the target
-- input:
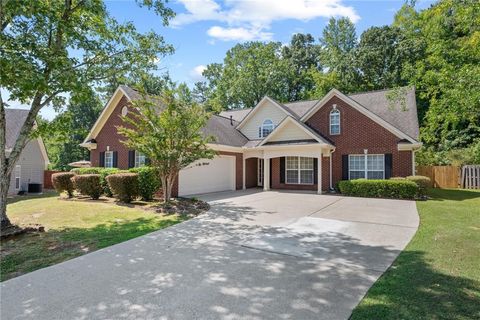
(401, 114)
(15, 118)
(224, 132)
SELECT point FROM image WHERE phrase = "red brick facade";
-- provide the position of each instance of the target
(358, 132)
(108, 136)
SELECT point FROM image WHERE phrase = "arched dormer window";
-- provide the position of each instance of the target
(266, 128)
(334, 121)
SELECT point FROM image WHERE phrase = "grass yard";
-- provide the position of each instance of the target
(437, 276)
(72, 228)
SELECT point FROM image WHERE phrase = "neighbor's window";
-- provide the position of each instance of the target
(370, 166)
(266, 128)
(108, 159)
(139, 159)
(335, 121)
(299, 170)
(18, 176)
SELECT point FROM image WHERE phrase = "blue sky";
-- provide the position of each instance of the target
(204, 30)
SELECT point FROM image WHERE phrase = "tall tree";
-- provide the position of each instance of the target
(448, 77)
(249, 72)
(381, 55)
(54, 47)
(339, 42)
(171, 139)
(301, 55)
(70, 128)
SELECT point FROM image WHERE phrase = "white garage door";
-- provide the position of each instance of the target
(204, 176)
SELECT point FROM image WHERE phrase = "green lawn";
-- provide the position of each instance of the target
(437, 276)
(73, 228)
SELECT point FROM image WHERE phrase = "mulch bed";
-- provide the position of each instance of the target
(182, 206)
(14, 231)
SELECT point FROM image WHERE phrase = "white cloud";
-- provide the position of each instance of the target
(196, 73)
(238, 34)
(248, 20)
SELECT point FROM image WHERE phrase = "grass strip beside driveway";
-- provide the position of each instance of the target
(72, 228)
(437, 276)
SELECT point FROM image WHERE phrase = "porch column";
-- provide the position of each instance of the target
(266, 174)
(319, 174)
(244, 174)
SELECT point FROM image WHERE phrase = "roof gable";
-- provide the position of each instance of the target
(109, 108)
(298, 130)
(334, 92)
(262, 102)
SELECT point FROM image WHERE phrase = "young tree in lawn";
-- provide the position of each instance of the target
(167, 129)
(54, 47)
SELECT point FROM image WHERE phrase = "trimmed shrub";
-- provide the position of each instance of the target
(423, 183)
(393, 188)
(62, 182)
(124, 186)
(148, 182)
(103, 172)
(88, 184)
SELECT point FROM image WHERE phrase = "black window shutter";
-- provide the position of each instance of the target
(115, 159)
(282, 170)
(101, 162)
(131, 158)
(315, 171)
(344, 166)
(388, 166)
(259, 132)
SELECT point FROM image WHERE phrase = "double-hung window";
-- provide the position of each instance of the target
(366, 166)
(139, 159)
(299, 170)
(334, 121)
(266, 128)
(108, 159)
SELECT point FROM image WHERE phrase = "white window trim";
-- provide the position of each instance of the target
(105, 159)
(138, 155)
(366, 164)
(336, 111)
(299, 170)
(271, 124)
(18, 175)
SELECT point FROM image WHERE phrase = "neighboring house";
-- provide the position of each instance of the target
(33, 160)
(304, 145)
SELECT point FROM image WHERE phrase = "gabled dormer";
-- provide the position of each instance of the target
(263, 119)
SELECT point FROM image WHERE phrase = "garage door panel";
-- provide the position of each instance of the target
(208, 175)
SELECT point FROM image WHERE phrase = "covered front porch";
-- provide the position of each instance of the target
(303, 166)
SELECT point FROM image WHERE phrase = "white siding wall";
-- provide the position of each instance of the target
(290, 132)
(267, 110)
(32, 166)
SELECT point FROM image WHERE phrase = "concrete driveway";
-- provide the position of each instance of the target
(255, 255)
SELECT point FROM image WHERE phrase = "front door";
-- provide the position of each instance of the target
(260, 173)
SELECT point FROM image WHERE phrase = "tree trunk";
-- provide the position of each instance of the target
(4, 184)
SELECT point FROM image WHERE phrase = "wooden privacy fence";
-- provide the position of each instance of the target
(470, 177)
(441, 176)
(47, 178)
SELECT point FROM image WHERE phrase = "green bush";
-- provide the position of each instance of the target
(393, 188)
(62, 182)
(103, 172)
(124, 186)
(423, 183)
(148, 182)
(88, 184)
